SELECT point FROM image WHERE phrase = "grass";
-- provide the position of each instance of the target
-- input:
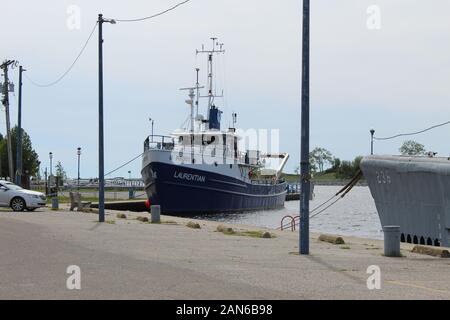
(110, 222)
(345, 247)
(64, 199)
(168, 222)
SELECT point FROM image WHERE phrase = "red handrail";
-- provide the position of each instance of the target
(292, 223)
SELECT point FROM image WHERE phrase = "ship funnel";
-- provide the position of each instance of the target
(214, 118)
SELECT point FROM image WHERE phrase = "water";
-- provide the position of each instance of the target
(354, 215)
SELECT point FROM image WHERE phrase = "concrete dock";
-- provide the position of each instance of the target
(129, 259)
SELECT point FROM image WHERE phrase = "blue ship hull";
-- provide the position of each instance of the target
(188, 191)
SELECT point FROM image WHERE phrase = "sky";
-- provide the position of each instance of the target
(387, 69)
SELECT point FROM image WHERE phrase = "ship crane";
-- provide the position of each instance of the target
(275, 172)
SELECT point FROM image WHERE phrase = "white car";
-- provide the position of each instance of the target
(20, 199)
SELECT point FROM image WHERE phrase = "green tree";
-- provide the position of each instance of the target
(321, 157)
(336, 164)
(412, 148)
(60, 172)
(30, 159)
(318, 159)
(348, 169)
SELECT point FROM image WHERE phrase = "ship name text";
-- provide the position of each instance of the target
(189, 177)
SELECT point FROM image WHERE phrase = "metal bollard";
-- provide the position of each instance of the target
(392, 241)
(55, 203)
(156, 214)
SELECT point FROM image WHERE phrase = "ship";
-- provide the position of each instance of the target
(200, 169)
(412, 192)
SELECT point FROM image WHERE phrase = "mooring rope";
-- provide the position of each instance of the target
(340, 194)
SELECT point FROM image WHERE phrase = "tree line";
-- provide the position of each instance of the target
(30, 159)
(323, 162)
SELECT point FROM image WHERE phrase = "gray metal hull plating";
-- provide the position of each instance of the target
(413, 193)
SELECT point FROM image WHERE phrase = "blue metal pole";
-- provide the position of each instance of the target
(304, 164)
(19, 133)
(101, 159)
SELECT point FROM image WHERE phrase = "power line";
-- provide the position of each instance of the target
(413, 133)
(155, 15)
(89, 38)
(124, 165)
(69, 69)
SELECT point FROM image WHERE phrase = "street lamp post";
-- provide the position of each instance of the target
(78, 154)
(50, 155)
(51, 174)
(46, 181)
(372, 132)
(101, 158)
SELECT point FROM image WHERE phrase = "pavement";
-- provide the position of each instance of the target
(129, 259)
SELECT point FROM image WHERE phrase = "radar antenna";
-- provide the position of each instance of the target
(217, 48)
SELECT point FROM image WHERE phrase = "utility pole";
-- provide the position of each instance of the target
(5, 102)
(101, 151)
(304, 164)
(19, 133)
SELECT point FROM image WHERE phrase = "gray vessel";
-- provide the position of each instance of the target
(413, 193)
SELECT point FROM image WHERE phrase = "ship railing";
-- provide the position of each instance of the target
(156, 142)
(293, 188)
(203, 154)
(266, 182)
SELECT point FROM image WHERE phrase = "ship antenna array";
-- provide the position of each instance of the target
(191, 102)
(217, 48)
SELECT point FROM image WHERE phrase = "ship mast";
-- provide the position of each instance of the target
(191, 103)
(216, 49)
